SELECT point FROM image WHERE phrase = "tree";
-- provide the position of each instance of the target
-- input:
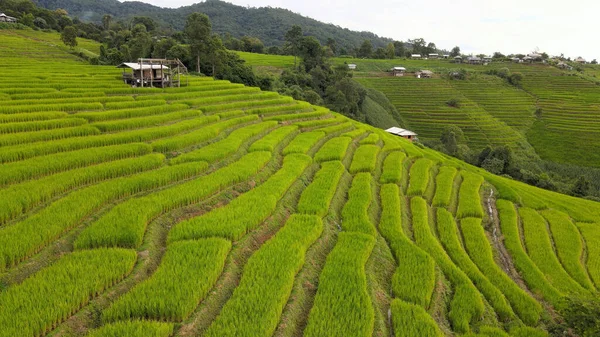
(452, 136)
(366, 49)
(331, 44)
(198, 28)
(498, 55)
(69, 36)
(594, 61)
(146, 21)
(399, 48)
(581, 187)
(162, 47)
(293, 39)
(27, 20)
(140, 44)
(431, 48)
(390, 51)
(106, 19)
(515, 79)
(312, 53)
(581, 315)
(418, 45)
(455, 52)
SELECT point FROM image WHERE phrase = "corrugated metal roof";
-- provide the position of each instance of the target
(136, 66)
(400, 131)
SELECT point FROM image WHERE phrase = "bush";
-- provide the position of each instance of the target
(453, 102)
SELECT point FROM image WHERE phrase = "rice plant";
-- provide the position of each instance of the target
(41, 125)
(410, 320)
(336, 128)
(247, 211)
(274, 138)
(469, 201)
(316, 198)
(365, 159)
(467, 305)
(256, 305)
(354, 133)
(19, 198)
(223, 148)
(186, 273)
(342, 306)
(66, 107)
(134, 329)
(333, 149)
(444, 182)
(125, 224)
(568, 245)
(419, 177)
(303, 142)
(32, 116)
(479, 249)
(140, 122)
(296, 116)
(200, 135)
(533, 276)
(414, 279)
(591, 236)
(130, 113)
(47, 135)
(527, 332)
(355, 214)
(372, 138)
(36, 305)
(16, 172)
(392, 168)
(540, 250)
(24, 238)
(449, 237)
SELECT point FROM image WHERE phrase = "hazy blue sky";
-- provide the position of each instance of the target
(479, 26)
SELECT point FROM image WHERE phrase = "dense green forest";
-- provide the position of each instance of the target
(266, 23)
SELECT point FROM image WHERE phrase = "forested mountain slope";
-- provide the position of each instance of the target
(267, 23)
(216, 209)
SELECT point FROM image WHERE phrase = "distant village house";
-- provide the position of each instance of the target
(398, 71)
(415, 56)
(406, 134)
(6, 18)
(516, 60)
(352, 66)
(434, 56)
(458, 59)
(424, 74)
(580, 60)
(473, 60)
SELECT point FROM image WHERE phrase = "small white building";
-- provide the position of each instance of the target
(580, 60)
(398, 71)
(415, 56)
(434, 56)
(6, 18)
(406, 134)
(352, 66)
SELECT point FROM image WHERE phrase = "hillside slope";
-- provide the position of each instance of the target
(216, 209)
(267, 23)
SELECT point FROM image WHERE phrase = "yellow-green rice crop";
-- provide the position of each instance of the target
(41, 125)
(449, 237)
(11, 173)
(256, 305)
(200, 135)
(130, 113)
(140, 122)
(342, 306)
(134, 104)
(469, 202)
(25, 238)
(248, 105)
(29, 116)
(19, 198)
(125, 224)
(568, 245)
(259, 95)
(134, 329)
(444, 182)
(527, 332)
(372, 138)
(365, 159)
(333, 149)
(270, 141)
(535, 279)
(410, 320)
(392, 168)
(303, 142)
(467, 305)
(591, 235)
(337, 128)
(414, 279)
(419, 177)
(67, 107)
(247, 211)
(355, 216)
(316, 198)
(35, 306)
(46, 135)
(223, 148)
(294, 106)
(479, 249)
(539, 247)
(295, 116)
(186, 273)
(354, 133)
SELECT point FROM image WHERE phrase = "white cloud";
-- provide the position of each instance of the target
(478, 26)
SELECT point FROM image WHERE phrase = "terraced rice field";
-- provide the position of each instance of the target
(209, 210)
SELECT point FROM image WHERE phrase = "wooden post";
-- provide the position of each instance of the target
(151, 74)
(141, 73)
